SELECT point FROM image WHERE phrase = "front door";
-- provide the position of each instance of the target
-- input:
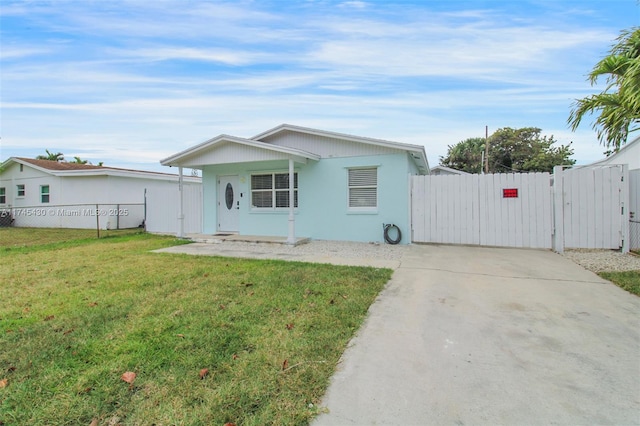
(228, 203)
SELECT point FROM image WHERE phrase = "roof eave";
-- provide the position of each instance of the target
(297, 155)
(344, 136)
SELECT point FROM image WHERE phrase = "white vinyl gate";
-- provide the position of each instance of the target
(579, 208)
(594, 201)
(512, 210)
(163, 210)
(634, 209)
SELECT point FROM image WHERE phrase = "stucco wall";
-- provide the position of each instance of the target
(323, 212)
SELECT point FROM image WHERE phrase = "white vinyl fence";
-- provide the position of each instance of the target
(512, 210)
(578, 208)
(163, 210)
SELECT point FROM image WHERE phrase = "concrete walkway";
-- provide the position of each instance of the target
(484, 336)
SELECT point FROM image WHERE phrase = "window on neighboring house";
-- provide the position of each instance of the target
(363, 189)
(3, 195)
(271, 191)
(20, 191)
(44, 194)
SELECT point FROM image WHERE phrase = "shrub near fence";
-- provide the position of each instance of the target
(78, 216)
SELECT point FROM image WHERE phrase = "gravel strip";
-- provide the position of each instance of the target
(604, 260)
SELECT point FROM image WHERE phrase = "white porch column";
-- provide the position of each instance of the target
(181, 204)
(291, 239)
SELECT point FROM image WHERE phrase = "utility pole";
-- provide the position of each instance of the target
(486, 149)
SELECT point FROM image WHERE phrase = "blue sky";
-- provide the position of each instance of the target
(131, 82)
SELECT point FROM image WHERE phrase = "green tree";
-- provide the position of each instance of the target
(617, 107)
(510, 150)
(465, 155)
(51, 156)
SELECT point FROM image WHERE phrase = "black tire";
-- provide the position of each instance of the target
(387, 238)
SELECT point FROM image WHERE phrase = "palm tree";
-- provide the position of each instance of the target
(618, 111)
(78, 160)
(51, 156)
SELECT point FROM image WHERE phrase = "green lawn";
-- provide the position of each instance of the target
(628, 280)
(76, 315)
(27, 237)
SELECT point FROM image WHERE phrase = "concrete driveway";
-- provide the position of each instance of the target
(468, 336)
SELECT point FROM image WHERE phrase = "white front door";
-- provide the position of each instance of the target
(228, 203)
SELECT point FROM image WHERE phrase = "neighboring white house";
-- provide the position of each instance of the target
(44, 193)
(444, 171)
(628, 154)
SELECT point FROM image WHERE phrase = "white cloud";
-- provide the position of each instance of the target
(226, 56)
(138, 81)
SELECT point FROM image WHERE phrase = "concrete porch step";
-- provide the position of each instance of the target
(222, 237)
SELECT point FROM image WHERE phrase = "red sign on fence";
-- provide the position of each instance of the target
(510, 193)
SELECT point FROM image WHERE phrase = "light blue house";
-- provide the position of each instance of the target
(344, 187)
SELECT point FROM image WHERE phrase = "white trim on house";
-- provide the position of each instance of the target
(281, 152)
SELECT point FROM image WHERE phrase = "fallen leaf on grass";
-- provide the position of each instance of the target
(68, 331)
(92, 304)
(94, 422)
(180, 335)
(285, 364)
(11, 369)
(49, 317)
(128, 377)
(3, 383)
(289, 326)
(229, 424)
(203, 373)
(234, 356)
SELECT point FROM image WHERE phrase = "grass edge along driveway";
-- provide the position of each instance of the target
(210, 340)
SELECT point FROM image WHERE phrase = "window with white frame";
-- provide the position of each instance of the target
(44, 194)
(363, 188)
(3, 195)
(20, 190)
(271, 190)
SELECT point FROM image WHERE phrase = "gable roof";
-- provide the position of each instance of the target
(189, 157)
(262, 141)
(448, 170)
(623, 155)
(61, 168)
